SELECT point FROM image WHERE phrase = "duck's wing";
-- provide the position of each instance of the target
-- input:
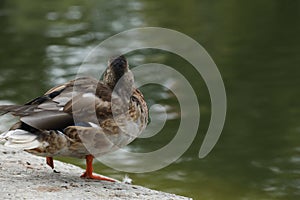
(47, 111)
(51, 114)
(91, 107)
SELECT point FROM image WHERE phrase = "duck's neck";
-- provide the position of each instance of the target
(122, 83)
(110, 78)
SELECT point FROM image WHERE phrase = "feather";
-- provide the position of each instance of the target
(48, 120)
(127, 180)
(20, 139)
(23, 146)
(17, 110)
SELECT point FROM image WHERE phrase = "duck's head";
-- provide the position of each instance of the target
(117, 70)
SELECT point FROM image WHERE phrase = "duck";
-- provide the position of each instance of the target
(84, 118)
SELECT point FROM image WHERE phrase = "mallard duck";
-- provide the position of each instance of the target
(83, 118)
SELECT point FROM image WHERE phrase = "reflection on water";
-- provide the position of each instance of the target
(255, 44)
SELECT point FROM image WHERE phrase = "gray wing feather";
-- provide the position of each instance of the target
(48, 120)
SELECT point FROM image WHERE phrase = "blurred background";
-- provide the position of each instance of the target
(255, 45)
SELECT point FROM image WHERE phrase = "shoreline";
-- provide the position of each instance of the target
(26, 176)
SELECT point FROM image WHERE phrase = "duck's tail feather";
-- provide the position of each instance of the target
(20, 139)
(18, 110)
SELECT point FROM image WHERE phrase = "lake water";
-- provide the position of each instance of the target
(255, 45)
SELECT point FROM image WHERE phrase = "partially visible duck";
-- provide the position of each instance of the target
(83, 118)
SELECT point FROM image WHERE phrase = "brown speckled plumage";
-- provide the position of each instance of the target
(82, 117)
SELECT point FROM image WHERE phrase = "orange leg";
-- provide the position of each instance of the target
(89, 170)
(49, 161)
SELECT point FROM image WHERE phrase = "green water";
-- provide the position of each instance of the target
(255, 45)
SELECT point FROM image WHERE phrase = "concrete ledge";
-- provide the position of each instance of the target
(25, 176)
